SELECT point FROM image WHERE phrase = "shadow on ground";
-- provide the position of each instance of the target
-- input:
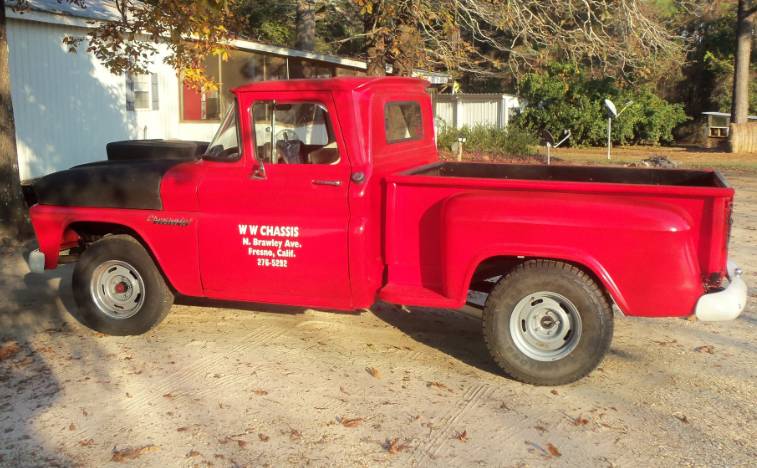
(449, 331)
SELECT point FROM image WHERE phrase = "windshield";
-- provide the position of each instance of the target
(225, 144)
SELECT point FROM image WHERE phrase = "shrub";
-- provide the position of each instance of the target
(513, 140)
(563, 98)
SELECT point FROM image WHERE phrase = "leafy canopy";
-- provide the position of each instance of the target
(565, 98)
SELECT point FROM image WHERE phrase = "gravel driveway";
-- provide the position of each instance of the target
(225, 385)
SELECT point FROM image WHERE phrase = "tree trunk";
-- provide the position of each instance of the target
(305, 25)
(407, 40)
(744, 32)
(12, 207)
(409, 44)
(376, 60)
(376, 42)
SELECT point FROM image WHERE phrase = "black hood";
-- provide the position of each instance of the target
(131, 184)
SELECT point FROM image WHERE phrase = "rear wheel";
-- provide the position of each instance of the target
(547, 323)
(118, 289)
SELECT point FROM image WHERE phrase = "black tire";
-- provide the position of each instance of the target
(147, 297)
(532, 279)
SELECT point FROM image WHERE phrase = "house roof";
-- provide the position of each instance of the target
(101, 10)
(53, 11)
(726, 114)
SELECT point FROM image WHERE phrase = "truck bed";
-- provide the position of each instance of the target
(657, 233)
(597, 174)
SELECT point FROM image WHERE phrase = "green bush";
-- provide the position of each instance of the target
(564, 98)
(513, 140)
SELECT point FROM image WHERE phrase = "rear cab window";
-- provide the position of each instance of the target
(403, 121)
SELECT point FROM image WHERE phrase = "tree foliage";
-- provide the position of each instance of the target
(707, 73)
(565, 98)
(190, 30)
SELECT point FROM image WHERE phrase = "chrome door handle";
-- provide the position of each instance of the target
(333, 183)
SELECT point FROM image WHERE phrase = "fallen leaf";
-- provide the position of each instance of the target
(373, 371)
(193, 453)
(260, 392)
(665, 343)
(182, 429)
(462, 436)
(130, 453)
(438, 385)
(709, 349)
(263, 437)
(553, 450)
(394, 446)
(87, 442)
(580, 421)
(9, 349)
(355, 422)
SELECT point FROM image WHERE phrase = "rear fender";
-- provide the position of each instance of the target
(641, 251)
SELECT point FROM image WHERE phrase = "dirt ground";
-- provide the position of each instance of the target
(225, 385)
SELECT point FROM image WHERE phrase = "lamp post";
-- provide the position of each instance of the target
(612, 113)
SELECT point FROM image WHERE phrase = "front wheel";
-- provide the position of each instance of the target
(547, 323)
(118, 288)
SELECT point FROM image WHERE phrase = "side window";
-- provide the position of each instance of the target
(403, 121)
(293, 133)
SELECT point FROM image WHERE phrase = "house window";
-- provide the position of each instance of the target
(142, 92)
(241, 67)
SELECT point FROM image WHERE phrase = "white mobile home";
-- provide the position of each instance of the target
(67, 106)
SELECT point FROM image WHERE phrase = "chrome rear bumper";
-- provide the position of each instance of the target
(726, 304)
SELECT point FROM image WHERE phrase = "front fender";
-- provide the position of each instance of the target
(642, 251)
(171, 239)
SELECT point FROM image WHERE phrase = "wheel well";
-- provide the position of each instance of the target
(502, 265)
(90, 232)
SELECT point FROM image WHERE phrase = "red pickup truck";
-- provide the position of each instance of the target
(330, 194)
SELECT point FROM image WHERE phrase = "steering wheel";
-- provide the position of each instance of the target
(288, 147)
(286, 134)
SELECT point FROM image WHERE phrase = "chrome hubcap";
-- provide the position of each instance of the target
(117, 289)
(545, 326)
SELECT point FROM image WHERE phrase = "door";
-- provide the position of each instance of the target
(280, 234)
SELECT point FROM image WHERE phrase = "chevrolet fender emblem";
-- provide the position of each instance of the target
(169, 221)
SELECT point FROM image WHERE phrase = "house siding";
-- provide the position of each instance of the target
(68, 106)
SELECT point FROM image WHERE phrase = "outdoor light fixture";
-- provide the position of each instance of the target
(612, 113)
(566, 135)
